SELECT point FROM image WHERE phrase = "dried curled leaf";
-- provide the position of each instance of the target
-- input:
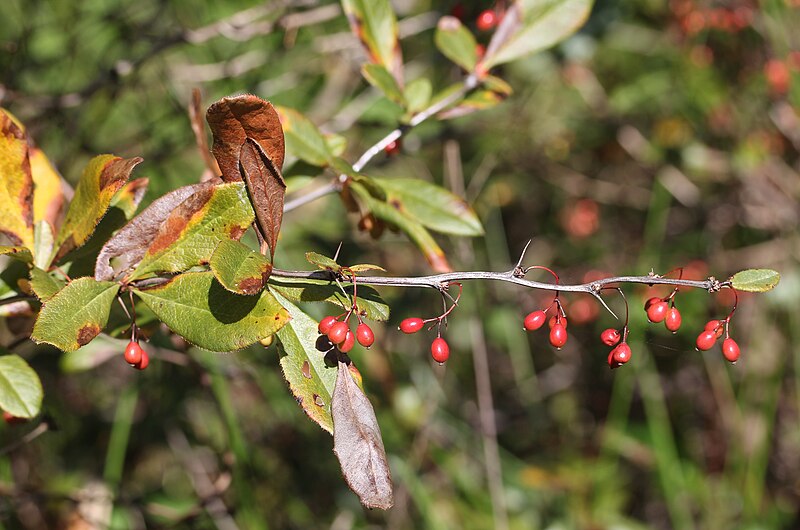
(358, 444)
(266, 189)
(233, 120)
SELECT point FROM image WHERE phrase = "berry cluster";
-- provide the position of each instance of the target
(136, 356)
(337, 329)
(440, 350)
(557, 323)
(621, 352)
(663, 310)
(712, 332)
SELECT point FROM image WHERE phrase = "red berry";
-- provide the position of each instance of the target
(144, 362)
(348, 342)
(556, 320)
(611, 362)
(730, 350)
(534, 320)
(338, 332)
(558, 336)
(10, 419)
(393, 147)
(715, 326)
(326, 324)
(440, 351)
(133, 353)
(651, 301)
(486, 20)
(411, 325)
(673, 319)
(480, 51)
(622, 353)
(610, 336)
(706, 340)
(365, 335)
(657, 312)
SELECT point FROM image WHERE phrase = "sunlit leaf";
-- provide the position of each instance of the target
(16, 183)
(375, 24)
(755, 280)
(76, 314)
(195, 306)
(129, 244)
(456, 43)
(529, 26)
(365, 267)
(417, 95)
(323, 262)
(20, 388)
(102, 178)
(358, 444)
(48, 188)
(238, 268)
(22, 254)
(310, 379)
(432, 205)
(44, 285)
(233, 120)
(303, 139)
(193, 230)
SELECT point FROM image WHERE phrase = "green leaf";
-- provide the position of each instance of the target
(22, 254)
(755, 280)
(417, 95)
(44, 285)
(456, 43)
(303, 138)
(310, 379)
(321, 290)
(239, 268)
(195, 306)
(102, 178)
(365, 267)
(323, 262)
(336, 144)
(533, 25)
(20, 388)
(380, 78)
(42, 244)
(413, 229)
(375, 24)
(76, 314)
(193, 230)
(477, 100)
(432, 205)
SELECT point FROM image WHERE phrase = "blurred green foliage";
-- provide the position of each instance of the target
(662, 135)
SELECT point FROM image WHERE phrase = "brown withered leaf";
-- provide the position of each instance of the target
(200, 138)
(233, 120)
(358, 445)
(133, 240)
(266, 188)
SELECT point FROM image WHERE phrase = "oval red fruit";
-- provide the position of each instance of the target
(440, 351)
(338, 332)
(348, 342)
(534, 320)
(730, 350)
(364, 335)
(651, 301)
(326, 324)
(622, 353)
(411, 325)
(393, 147)
(673, 319)
(143, 362)
(657, 312)
(554, 319)
(558, 336)
(133, 353)
(610, 336)
(717, 326)
(706, 340)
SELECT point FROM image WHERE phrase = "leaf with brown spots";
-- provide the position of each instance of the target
(103, 177)
(16, 184)
(195, 306)
(129, 244)
(358, 444)
(310, 379)
(233, 120)
(266, 189)
(238, 268)
(76, 314)
(189, 234)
